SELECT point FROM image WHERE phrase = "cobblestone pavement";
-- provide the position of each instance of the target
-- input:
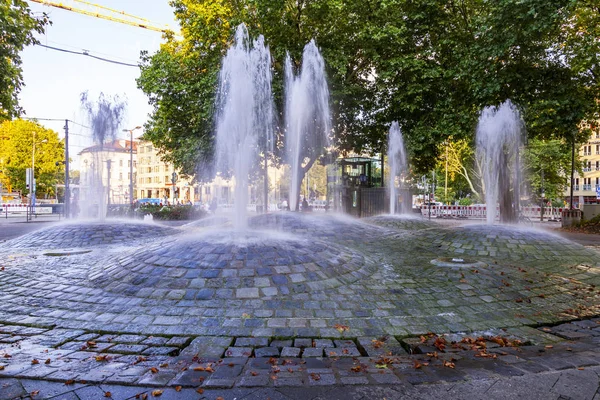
(296, 301)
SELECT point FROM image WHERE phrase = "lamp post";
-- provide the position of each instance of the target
(131, 163)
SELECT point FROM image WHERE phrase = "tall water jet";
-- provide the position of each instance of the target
(244, 114)
(498, 139)
(398, 166)
(104, 117)
(308, 120)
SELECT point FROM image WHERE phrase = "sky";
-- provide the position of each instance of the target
(55, 80)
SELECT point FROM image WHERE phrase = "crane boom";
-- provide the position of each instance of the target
(122, 18)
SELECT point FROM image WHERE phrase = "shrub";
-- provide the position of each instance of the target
(179, 212)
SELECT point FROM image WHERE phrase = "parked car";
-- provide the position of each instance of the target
(140, 202)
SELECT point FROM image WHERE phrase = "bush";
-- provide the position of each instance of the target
(169, 213)
(465, 201)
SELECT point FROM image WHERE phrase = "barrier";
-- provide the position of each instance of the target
(24, 208)
(480, 212)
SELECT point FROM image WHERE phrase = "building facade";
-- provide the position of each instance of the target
(586, 185)
(105, 170)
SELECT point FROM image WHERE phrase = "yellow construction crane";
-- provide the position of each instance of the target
(98, 11)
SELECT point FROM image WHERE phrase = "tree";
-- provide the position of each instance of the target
(17, 29)
(548, 164)
(20, 141)
(431, 64)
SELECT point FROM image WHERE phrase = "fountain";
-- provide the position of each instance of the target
(499, 136)
(398, 166)
(307, 115)
(244, 114)
(105, 117)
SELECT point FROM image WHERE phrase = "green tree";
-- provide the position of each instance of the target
(17, 29)
(548, 164)
(432, 65)
(21, 140)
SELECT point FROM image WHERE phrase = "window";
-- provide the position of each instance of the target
(149, 170)
(120, 176)
(576, 184)
(134, 163)
(587, 183)
(597, 182)
(128, 176)
(166, 179)
(207, 190)
(120, 163)
(587, 166)
(587, 150)
(598, 149)
(128, 163)
(597, 165)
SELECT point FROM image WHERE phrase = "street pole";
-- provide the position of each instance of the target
(572, 172)
(67, 188)
(131, 163)
(108, 165)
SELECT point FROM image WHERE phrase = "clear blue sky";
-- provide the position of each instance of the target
(54, 80)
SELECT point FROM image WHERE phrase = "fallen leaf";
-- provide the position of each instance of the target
(1, 367)
(273, 361)
(91, 343)
(69, 382)
(315, 377)
(6, 355)
(377, 343)
(107, 394)
(199, 369)
(291, 371)
(253, 373)
(157, 393)
(140, 359)
(274, 377)
(356, 368)
(581, 368)
(199, 390)
(142, 396)
(34, 361)
(47, 361)
(219, 398)
(381, 366)
(34, 393)
(448, 364)
(102, 357)
(178, 388)
(165, 365)
(341, 328)
(154, 370)
(549, 346)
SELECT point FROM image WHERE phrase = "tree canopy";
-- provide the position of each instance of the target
(432, 65)
(19, 140)
(17, 29)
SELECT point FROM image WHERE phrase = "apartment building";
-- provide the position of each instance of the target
(587, 185)
(159, 180)
(107, 166)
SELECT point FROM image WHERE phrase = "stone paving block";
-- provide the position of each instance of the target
(254, 381)
(207, 346)
(238, 352)
(342, 352)
(155, 341)
(178, 341)
(344, 343)
(213, 383)
(281, 343)
(290, 352)
(160, 351)
(251, 342)
(312, 352)
(303, 343)
(322, 343)
(316, 379)
(128, 348)
(266, 352)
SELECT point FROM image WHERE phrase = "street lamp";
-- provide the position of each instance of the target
(131, 163)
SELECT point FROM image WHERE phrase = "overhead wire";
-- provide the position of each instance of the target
(86, 53)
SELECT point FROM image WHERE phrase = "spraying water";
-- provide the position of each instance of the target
(244, 114)
(307, 114)
(498, 140)
(397, 159)
(104, 117)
